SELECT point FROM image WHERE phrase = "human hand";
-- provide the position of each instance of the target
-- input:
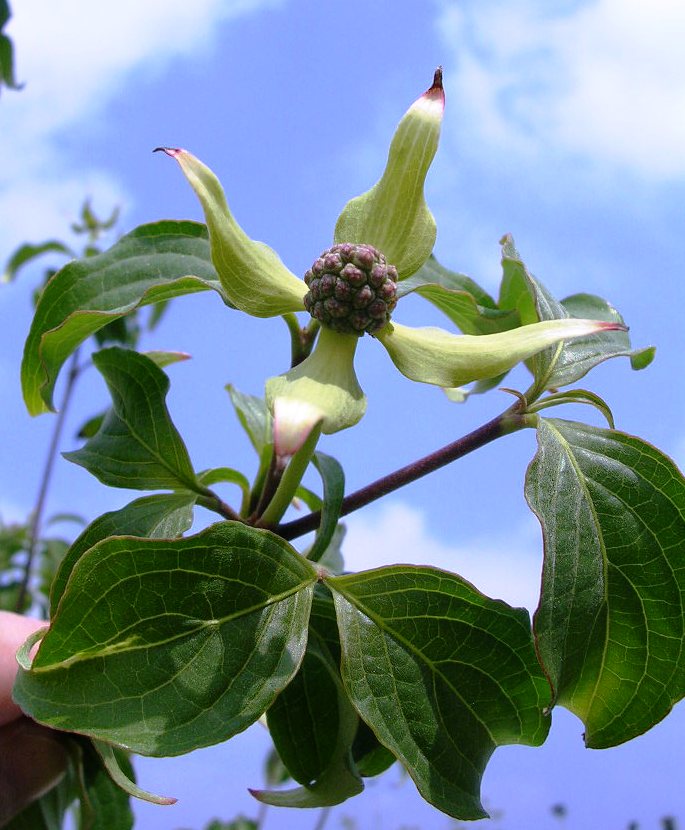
(32, 757)
(14, 629)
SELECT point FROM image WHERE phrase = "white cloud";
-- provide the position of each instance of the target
(603, 79)
(74, 56)
(503, 567)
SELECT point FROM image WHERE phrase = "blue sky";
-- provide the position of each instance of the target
(564, 125)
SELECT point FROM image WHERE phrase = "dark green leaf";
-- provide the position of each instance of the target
(313, 725)
(254, 418)
(466, 304)
(164, 646)
(324, 622)
(137, 446)
(442, 674)
(151, 264)
(124, 331)
(610, 626)
(28, 252)
(333, 479)
(565, 363)
(370, 757)
(162, 516)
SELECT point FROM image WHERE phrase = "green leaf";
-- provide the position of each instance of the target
(111, 761)
(162, 516)
(254, 418)
(393, 215)
(442, 675)
(466, 304)
(28, 252)
(151, 264)
(370, 757)
(313, 725)
(164, 646)
(579, 358)
(333, 479)
(164, 359)
(610, 627)
(228, 475)
(90, 427)
(582, 396)
(104, 805)
(137, 445)
(564, 363)
(6, 52)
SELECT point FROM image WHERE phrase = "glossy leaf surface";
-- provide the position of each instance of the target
(151, 264)
(162, 516)
(137, 445)
(163, 646)
(610, 625)
(442, 674)
(313, 724)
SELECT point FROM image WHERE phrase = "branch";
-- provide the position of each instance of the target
(37, 519)
(509, 421)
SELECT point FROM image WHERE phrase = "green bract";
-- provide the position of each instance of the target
(393, 218)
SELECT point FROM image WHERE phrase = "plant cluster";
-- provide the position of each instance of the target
(162, 641)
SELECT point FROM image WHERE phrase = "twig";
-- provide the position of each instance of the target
(37, 518)
(509, 421)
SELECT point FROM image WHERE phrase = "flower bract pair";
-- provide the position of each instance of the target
(381, 238)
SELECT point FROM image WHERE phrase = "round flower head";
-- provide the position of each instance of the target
(352, 289)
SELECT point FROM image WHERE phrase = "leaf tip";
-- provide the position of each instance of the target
(433, 99)
(170, 151)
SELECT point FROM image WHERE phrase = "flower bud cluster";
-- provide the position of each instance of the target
(352, 289)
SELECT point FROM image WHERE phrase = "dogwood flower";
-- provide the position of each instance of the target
(381, 237)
